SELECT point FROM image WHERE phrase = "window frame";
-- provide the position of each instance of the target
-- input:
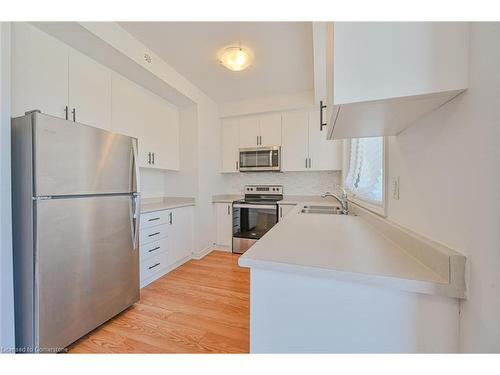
(370, 205)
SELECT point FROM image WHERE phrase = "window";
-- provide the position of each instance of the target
(364, 179)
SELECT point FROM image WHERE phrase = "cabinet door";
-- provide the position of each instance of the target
(230, 145)
(160, 135)
(285, 209)
(294, 150)
(249, 131)
(39, 72)
(325, 155)
(128, 107)
(270, 129)
(89, 91)
(181, 234)
(166, 150)
(224, 217)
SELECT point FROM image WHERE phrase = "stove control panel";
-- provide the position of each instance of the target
(264, 189)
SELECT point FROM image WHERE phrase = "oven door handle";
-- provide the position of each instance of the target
(264, 206)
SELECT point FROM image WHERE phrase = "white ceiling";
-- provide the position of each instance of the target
(283, 55)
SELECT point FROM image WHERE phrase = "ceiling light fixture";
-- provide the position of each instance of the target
(235, 58)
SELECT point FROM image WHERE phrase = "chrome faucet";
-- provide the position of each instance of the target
(342, 199)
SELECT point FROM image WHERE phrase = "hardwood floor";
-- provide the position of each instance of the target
(200, 307)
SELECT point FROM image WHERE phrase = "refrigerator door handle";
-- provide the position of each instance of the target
(135, 220)
(137, 179)
(136, 199)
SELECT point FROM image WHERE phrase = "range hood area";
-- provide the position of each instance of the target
(381, 77)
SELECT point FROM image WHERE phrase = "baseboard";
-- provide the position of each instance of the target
(200, 254)
(207, 250)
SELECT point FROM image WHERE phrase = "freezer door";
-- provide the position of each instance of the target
(87, 269)
(75, 159)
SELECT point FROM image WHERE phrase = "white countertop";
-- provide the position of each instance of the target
(346, 248)
(308, 199)
(165, 203)
(287, 199)
(226, 198)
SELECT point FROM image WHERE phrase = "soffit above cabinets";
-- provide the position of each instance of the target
(283, 55)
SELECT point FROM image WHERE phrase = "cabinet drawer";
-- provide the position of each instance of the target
(153, 234)
(151, 249)
(153, 265)
(154, 218)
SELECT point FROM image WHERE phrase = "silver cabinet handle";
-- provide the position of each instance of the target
(149, 157)
(171, 218)
(309, 163)
(153, 249)
(236, 165)
(66, 110)
(281, 211)
(153, 158)
(257, 140)
(74, 114)
(154, 219)
(321, 108)
(306, 163)
(228, 208)
(154, 265)
(153, 234)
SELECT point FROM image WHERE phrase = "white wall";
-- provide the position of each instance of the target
(6, 271)
(294, 183)
(448, 165)
(209, 176)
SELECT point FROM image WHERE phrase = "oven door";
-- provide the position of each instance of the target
(251, 222)
(260, 159)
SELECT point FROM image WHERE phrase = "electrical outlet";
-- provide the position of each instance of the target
(395, 188)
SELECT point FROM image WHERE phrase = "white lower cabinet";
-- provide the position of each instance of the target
(224, 218)
(181, 229)
(165, 242)
(285, 209)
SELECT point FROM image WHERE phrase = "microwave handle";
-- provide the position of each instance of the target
(270, 158)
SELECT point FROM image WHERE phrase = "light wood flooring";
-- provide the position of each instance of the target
(200, 307)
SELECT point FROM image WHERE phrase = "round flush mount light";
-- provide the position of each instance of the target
(235, 58)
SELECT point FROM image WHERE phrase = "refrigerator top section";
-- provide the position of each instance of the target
(76, 159)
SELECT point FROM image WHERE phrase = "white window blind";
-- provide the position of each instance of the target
(365, 176)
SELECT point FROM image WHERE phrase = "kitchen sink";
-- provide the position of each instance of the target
(328, 210)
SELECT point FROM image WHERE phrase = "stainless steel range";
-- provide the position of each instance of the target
(254, 215)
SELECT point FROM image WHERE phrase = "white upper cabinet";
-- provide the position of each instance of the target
(230, 145)
(305, 147)
(128, 107)
(89, 91)
(249, 131)
(260, 131)
(383, 76)
(295, 147)
(270, 129)
(324, 154)
(39, 72)
(163, 119)
(53, 77)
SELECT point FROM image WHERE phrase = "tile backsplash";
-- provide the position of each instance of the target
(294, 183)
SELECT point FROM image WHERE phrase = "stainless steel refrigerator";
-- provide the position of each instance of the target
(75, 224)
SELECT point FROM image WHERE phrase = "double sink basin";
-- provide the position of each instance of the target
(326, 210)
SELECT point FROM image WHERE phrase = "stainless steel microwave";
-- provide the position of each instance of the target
(260, 159)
